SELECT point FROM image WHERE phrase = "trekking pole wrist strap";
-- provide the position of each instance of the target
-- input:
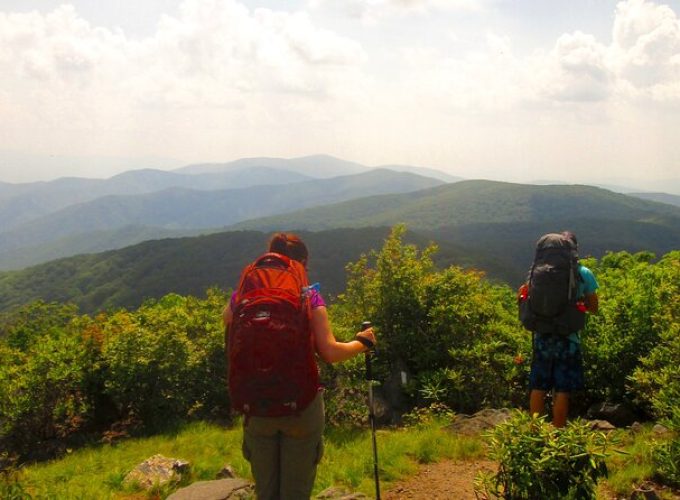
(365, 341)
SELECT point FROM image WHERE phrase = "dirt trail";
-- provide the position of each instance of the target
(451, 480)
(447, 480)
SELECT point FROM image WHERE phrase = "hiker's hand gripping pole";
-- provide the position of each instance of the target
(371, 413)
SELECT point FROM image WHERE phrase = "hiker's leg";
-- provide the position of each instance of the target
(560, 409)
(568, 378)
(541, 375)
(537, 402)
(261, 447)
(301, 451)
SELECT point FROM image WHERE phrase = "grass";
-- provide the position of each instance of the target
(632, 465)
(98, 471)
(348, 458)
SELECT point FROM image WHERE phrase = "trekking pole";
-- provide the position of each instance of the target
(371, 413)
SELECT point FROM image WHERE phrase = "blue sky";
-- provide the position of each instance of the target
(571, 90)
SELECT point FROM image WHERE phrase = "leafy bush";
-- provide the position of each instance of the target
(61, 373)
(537, 460)
(436, 325)
(636, 331)
(166, 360)
(45, 370)
(656, 380)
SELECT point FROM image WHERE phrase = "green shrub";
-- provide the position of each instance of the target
(436, 325)
(666, 455)
(656, 380)
(44, 377)
(166, 360)
(635, 333)
(537, 460)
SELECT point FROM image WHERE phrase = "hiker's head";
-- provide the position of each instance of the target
(571, 237)
(290, 245)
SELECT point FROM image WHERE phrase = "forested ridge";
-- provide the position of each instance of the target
(485, 225)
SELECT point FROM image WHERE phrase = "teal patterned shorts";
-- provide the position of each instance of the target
(557, 363)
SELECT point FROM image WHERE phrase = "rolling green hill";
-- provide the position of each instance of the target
(124, 278)
(671, 199)
(475, 202)
(192, 209)
(487, 225)
(502, 221)
(20, 203)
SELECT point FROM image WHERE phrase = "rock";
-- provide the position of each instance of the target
(339, 493)
(226, 472)
(661, 430)
(601, 425)
(157, 470)
(635, 427)
(617, 414)
(470, 425)
(222, 489)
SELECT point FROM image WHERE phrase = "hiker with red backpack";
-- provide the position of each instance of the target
(276, 325)
(552, 305)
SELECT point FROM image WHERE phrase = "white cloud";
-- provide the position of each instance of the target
(646, 48)
(225, 80)
(371, 11)
(577, 70)
(215, 53)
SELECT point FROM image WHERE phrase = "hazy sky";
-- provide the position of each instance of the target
(576, 90)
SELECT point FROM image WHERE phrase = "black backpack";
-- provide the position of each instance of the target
(549, 306)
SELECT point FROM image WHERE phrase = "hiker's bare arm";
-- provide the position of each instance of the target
(330, 350)
(592, 303)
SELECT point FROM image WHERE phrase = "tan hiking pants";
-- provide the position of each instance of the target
(284, 451)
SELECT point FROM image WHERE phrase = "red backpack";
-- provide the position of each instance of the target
(272, 364)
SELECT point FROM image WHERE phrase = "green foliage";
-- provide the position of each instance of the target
(436, 325)
(537, 460)
(61, 373)
(666, 454)
(166, 360)
(435, 412)
(45, 371)
(23, 327)
(11, 487)
(656, 380)
(634, 338)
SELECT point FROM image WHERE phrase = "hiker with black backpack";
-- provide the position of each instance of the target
(276, 324)
(552, 305)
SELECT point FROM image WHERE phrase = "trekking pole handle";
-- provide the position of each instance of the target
(365, 326)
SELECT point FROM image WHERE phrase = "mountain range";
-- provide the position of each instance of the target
(42, 221)
(147, 232)
(491, 226)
